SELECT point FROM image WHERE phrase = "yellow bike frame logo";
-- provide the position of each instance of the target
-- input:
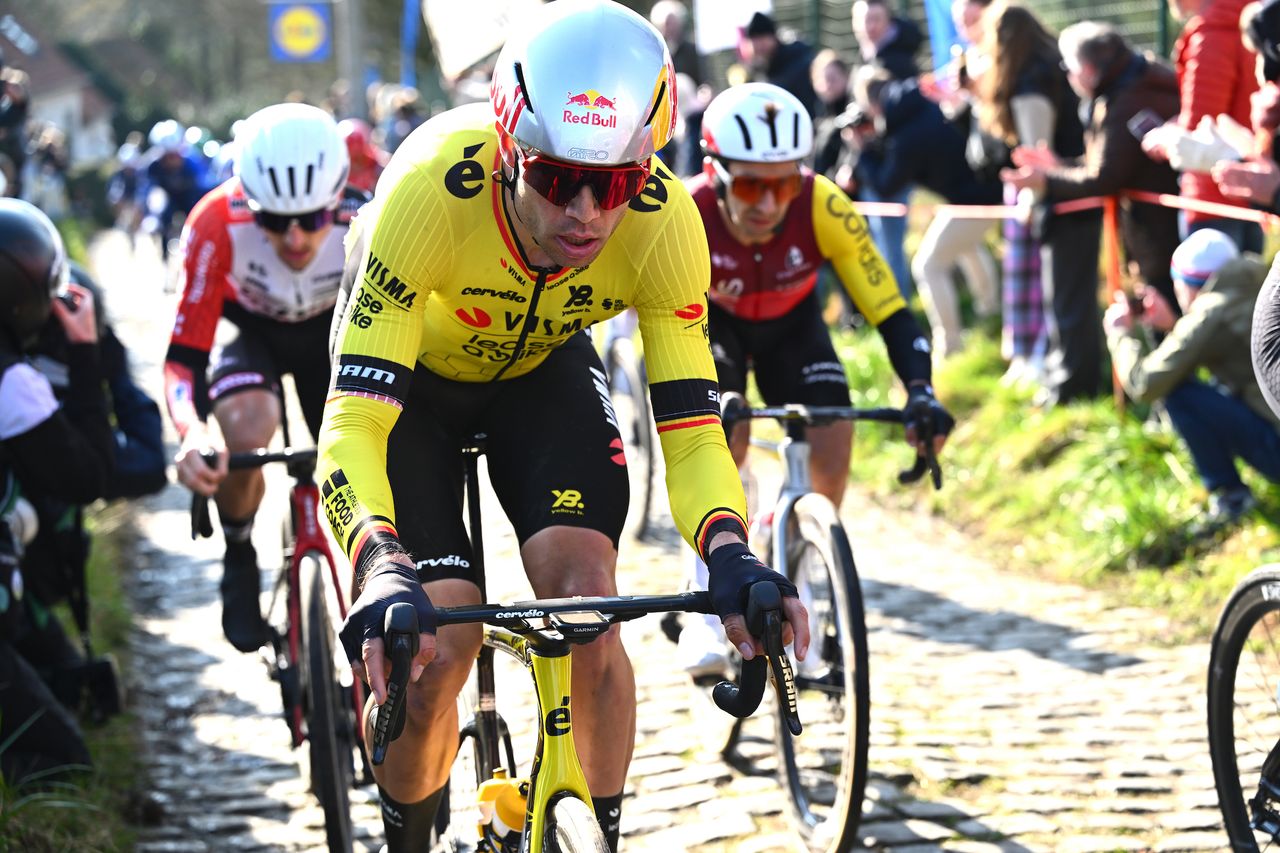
(557, 722)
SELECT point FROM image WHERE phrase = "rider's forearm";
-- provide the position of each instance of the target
(186, 389)
(909, 350)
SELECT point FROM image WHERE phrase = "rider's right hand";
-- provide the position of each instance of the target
(385, 584)
(194, 471)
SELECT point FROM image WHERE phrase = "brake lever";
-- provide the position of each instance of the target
(201, 521)
(400, 634)
(784, 680)
(763, 616)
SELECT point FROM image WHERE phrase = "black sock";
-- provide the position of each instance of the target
(609, 815)
(408, 826)
(237, 529)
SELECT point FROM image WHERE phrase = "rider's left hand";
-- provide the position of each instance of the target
(923, 416)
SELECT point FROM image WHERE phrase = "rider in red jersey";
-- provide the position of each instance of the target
(771, 224)
(263, 263)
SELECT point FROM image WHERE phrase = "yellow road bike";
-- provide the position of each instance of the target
(550, 810)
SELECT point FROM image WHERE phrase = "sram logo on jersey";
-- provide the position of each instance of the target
(372, 377)
(378, 275)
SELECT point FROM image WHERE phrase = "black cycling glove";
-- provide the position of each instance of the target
(924, 414)
(385, 585)
(732, 569)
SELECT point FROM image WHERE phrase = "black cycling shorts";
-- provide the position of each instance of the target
(792, 356)
(252, 352)
(553, 452)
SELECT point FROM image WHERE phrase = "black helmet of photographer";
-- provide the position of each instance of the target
(33, 269)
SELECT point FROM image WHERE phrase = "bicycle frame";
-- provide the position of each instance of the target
(304, 501)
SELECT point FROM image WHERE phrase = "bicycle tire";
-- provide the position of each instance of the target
(630, 399)
(825, 771)
(1242, 696)
(572, 828)
(330, 722)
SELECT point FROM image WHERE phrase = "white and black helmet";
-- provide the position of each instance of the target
(167, 135)
(586, 81)
(757, 123)
(291, 159)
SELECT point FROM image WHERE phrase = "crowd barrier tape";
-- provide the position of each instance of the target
(1009, 211)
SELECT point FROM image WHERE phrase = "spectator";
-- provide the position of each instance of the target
(782, 63)
(683, 153)
(1256, 179)
(405, 117)
(671, 17)
(1120, 88)
(1220, 422)
(48, 450)
(44, 183)
(831, 84)
(915, 144)
(886, 40)
(1023, 98)
(14, 105)
(1215, 76)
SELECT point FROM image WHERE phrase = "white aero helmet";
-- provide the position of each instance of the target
(168, 135)
(586, 81)
(757, 123)
(291, 159)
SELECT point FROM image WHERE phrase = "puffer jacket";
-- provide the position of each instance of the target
(1213, 333)
(1215, 75)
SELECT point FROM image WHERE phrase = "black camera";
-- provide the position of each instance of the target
(1136, 308)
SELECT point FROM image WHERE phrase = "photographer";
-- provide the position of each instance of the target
(46, 451)
(906, 140)
(1221, 421)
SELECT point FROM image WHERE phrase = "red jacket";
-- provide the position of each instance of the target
(1215, 75)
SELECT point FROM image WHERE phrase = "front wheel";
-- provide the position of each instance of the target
(572, 828)
(825, 769)
(1244, 719)
(330, 715)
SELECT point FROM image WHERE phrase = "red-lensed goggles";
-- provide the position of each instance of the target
(559, 182)
(751, 190)
(278, 223)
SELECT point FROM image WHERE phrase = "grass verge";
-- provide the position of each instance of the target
(94, 814)
(1081, 493)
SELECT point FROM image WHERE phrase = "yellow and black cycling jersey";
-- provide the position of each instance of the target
(444, 284)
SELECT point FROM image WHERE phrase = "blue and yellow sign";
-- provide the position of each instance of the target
(300, 32)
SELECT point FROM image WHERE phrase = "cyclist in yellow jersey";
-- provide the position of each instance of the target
(487, 251)
(771, 223)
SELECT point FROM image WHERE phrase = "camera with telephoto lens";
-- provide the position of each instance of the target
(854, 117)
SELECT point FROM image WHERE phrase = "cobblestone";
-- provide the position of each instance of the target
(1009, 713)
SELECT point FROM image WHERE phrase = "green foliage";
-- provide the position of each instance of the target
(1082, 493)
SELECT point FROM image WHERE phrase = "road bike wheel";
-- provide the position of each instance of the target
(1244, 711)
(630, 397)
(330, 716)
(572, 828)
(825, 769)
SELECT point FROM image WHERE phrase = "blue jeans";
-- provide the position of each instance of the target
(889, 232)
(1218, 429)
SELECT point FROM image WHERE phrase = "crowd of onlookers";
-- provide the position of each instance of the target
(1034, 127)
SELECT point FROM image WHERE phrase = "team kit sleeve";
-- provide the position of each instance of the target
(702, 481)
(844, 239)
(375, 352)
(205, 267)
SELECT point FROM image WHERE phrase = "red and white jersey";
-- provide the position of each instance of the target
(227, 258)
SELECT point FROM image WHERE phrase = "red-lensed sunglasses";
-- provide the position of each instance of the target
(751, 190)
(559, 182)
(278, 223)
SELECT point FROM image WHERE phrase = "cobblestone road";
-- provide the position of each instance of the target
(1008, 713)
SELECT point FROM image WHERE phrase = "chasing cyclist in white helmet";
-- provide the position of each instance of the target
(499, 233)
(771, 223)
(263, 260)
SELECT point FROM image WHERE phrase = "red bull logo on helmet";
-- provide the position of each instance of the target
(594, 102)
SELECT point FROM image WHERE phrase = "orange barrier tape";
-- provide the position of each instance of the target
(1005, 211)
